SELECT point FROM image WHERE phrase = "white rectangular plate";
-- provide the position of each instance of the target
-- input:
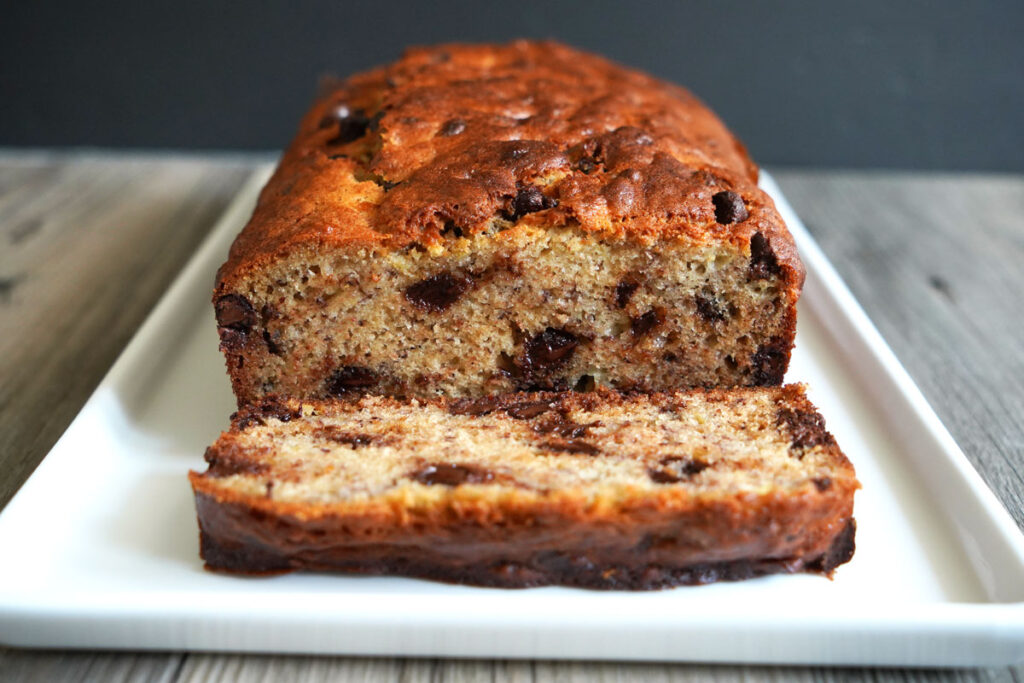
(101, 549)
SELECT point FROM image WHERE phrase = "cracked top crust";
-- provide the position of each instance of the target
(458, 140)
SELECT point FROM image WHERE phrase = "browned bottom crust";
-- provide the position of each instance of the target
(640, 556)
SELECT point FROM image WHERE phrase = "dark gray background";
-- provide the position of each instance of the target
(876, 83)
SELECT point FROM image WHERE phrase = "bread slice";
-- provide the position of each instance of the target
(596, 489)
(476, 220)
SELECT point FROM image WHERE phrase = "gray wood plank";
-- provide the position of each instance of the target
(72, 667)
(89, 244)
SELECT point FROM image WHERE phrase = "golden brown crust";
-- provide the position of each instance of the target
(450, 136)
(638, 538)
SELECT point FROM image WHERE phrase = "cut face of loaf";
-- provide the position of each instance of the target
(590, 489)
(475, 220)
(532, 308)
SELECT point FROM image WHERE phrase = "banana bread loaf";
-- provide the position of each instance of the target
(595, 489)
(474, 220)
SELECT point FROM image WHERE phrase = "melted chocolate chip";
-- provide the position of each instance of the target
(529, 199)
(528, 409)
(515, 149)
(438, 292)
(550, 350)
(507, 366)
(571, 446)
(271, 340)
(709, 308)
(450, 474)
(768, 364)
(643, 324)
(624, 292)
(235, 312)
(230, 462)
(338, 435)
(350, 378)
(673, 470)
(258, 413)
(806, 429)
(563, 427)
(763, 262)
(452, 127)
(729, 207)
(352, 124)
(474, 406)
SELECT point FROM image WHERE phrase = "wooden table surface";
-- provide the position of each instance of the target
(89, 242)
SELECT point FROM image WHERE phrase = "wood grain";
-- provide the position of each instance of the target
(89, 242)
(938, 264)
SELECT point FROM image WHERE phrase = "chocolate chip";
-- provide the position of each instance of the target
(551, 349)
(571, 446)
(528, 409)
(529, 199)
(350, 378)
(474, 406)
(806, 429)
(271, 340)
(338, 435)
(768, 364)
(452, 127)
(515, 149)
(763, 262)
(231, 461)
(561, 426)
(709, 308)
(269, 408)
(438, 292)
(643, 324)
(676, 469)
(507, 366)
(331, 118)
(822, 483)
(729, 207)
(624, 292)
(450, 474)
(235, 312)
(352, 124)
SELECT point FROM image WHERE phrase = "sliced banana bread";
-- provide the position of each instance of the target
(598, 489)
(475, 220)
